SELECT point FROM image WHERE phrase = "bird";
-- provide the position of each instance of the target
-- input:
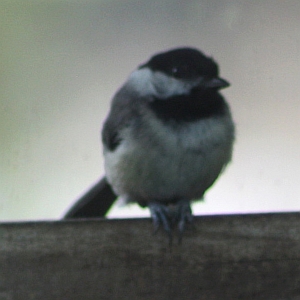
(168, 135)
(167, 138)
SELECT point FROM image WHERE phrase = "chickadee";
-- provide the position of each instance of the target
(168, 135)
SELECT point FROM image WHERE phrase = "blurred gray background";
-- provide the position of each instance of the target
(62, 61)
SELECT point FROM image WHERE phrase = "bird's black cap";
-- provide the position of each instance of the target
(183, 63)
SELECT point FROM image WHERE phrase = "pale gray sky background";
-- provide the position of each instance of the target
(61, 62)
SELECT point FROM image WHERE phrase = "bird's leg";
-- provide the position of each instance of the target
(168, 216)
(183, 216)
(160, 216)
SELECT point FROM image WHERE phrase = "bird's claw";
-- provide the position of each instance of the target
(185, 216)
(168, 217)
(160, 217)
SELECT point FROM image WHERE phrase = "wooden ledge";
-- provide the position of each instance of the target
(226, 257)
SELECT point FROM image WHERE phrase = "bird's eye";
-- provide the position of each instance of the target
(180, 72)
(174, 71)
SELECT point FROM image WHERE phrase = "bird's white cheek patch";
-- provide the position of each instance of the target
(141, 82)
(157, 84)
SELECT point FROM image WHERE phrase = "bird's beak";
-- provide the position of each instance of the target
(216, 83)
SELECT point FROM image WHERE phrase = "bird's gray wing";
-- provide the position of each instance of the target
(125, 110)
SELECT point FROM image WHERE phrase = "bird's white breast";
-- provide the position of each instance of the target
(169, 162)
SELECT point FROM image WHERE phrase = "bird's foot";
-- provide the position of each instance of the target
(161, 217)
(169, 216)
(184, 216)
